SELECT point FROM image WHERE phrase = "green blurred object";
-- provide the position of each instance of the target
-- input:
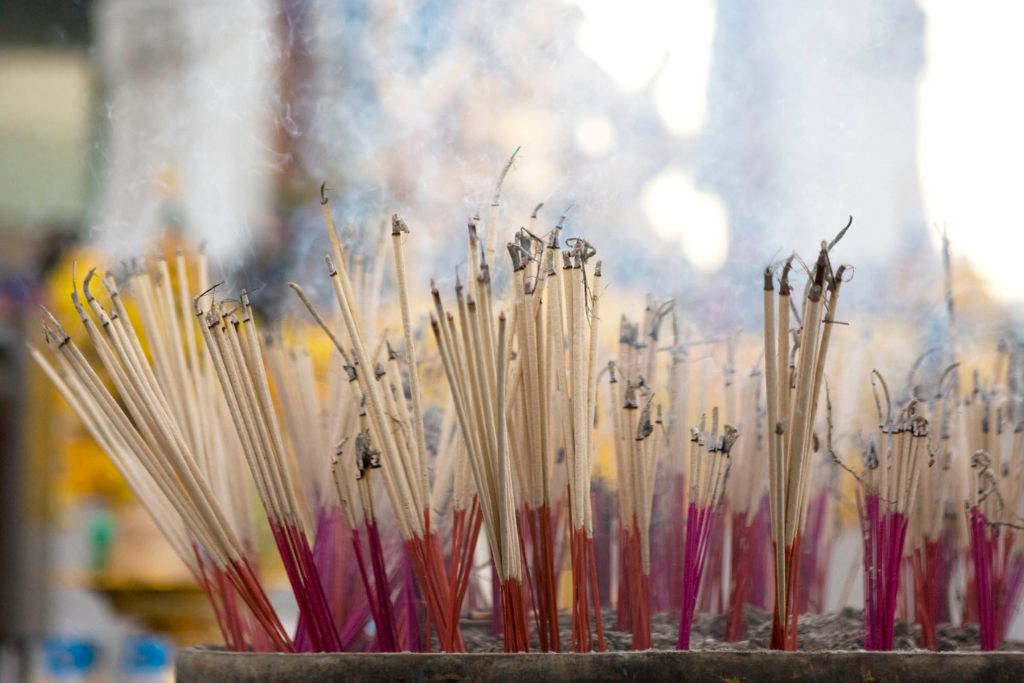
(102, 532)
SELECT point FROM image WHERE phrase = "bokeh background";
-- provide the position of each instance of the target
(693, 142)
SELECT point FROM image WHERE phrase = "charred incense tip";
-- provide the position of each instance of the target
(331, 270)
(515, 253)
(597, 269)
(60, 332)
(86, 285)
(536, 210)
(837, 278)
(644, 427)
(196, 306)
(323, 193)
(784, 279)
(729, 437)
(630, 401)
(392, 354)
(769, 280)
(398, 226)
(78, 307)
(821, 267)
(553, 239)
(110, 284)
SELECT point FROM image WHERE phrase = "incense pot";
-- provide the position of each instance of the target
(204, 665)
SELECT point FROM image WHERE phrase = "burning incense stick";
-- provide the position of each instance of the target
(708, 469)
(792, 396)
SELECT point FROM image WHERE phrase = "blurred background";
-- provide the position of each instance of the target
(693, 142)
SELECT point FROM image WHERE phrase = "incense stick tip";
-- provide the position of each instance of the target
(86, 283)
(398, 226)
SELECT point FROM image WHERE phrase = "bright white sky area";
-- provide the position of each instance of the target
(970, 134)
(971, 140)
(665, 46)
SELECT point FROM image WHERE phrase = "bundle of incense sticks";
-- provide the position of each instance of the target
(708, 469)
(237, 353)
(993, 508)
(341, 496)
(536, 415)
(293, 376)
(889, 483)
(748, 510)
(713, 588)
(933, 530)
(397, 437)
(476, 358)
(165, 435)
(792, 388)
(581, 290)
(345, 491)
(636, 460)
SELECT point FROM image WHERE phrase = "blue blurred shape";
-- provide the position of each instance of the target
(66, 656)
(146, 654)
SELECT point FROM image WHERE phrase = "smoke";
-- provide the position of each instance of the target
(692, 145)
(188, 111)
